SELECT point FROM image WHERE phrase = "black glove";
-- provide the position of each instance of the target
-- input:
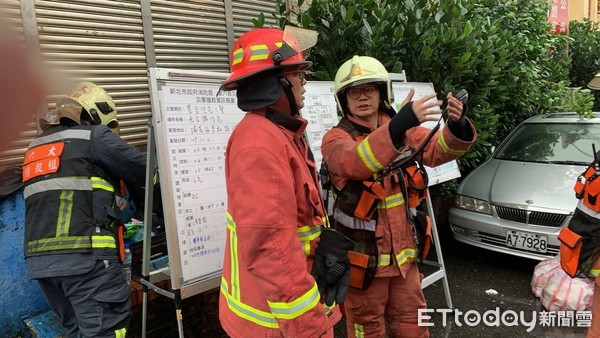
(401, 122)
(331, 266)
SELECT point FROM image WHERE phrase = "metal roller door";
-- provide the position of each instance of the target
(100, 41)
(246, 10)
(190, 34)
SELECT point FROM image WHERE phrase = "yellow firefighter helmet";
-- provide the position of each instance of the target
(359, 70)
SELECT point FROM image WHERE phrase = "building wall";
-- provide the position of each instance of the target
(580, 9)
(20, 298)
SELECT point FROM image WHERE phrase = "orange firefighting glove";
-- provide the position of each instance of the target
(331, 266)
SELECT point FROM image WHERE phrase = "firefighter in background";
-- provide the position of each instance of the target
(580, 239)
(71, 173)
(370, 205)
(594, 83)
(594, 220)
(275, 212)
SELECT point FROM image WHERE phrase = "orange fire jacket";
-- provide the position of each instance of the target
(348, 159)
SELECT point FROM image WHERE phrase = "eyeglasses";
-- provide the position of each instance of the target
(356, 93)
(300, 74)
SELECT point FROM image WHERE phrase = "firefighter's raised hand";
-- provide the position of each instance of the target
(331, 266)
(455, 108)
(427, 108)
(412, 114)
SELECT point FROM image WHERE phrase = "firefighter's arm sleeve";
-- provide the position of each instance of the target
(358, 160)
(461, 128)
(121, 160)
(262, 203)
(444, 146)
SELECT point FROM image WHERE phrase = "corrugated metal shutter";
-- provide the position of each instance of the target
(14, 155)
(99, 41)
(246, 10)
(12, 10)
(190, 34)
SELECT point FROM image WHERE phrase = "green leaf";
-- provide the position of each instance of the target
(399, 32)
(468, 29)
(350, 13)
(367, 26)
(260, 21)
(304, 19)
(427, 52)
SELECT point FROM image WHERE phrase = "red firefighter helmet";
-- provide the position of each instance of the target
(264, 49)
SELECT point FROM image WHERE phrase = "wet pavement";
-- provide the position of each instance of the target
(471, 272)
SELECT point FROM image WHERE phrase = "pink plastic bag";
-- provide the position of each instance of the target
(558, 291)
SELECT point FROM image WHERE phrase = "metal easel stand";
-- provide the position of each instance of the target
(148, 277)
(441, 272)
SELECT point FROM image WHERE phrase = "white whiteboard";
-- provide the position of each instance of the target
(320, 109)
(192, 127)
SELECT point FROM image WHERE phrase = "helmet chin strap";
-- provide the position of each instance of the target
(287, 89)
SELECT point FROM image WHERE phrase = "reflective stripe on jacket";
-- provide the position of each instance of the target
(59, 204)
(275, 214)
(359, 160)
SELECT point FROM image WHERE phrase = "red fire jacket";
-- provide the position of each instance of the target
(275, 214)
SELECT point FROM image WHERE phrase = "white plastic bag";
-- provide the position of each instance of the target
(542, 272)
(558, 291)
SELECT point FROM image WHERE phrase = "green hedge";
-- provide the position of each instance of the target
(585, 52)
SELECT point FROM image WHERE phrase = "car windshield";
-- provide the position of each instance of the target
(561, 143)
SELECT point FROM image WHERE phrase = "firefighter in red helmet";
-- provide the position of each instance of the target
(275, 213)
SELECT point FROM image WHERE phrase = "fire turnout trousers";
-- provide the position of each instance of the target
(391, 300)
(95, 304)
(594, 330)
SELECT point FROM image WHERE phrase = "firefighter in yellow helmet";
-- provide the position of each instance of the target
(594, 84)
(72, 243)
(376, 206)
(99, 107)
(274, 209)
